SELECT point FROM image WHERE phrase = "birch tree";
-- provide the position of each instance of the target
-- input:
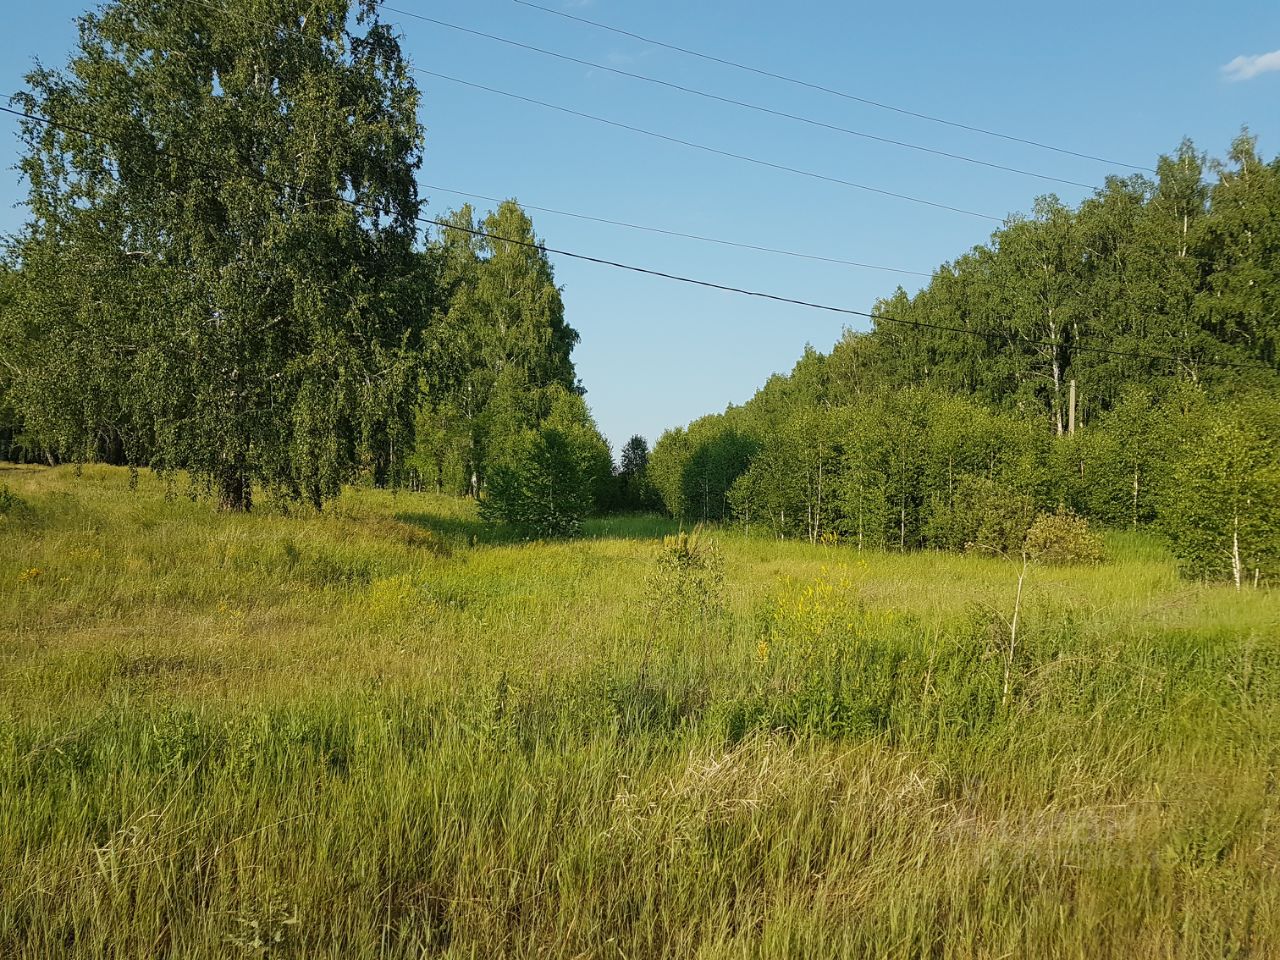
(219, 262)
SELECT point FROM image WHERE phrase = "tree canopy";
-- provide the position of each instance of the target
(1116, 360)
(217, 274)
(499, 350)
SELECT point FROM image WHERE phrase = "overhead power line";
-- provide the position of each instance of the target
(878, 104)
(746, 158)
(683, 236)
(213, 5)
(733, 101)
(632, 268)
(693, 145)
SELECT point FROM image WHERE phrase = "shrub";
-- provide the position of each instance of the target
(542, 488)
(689, 576)
(982, 516)
(10, 502)
(1062, 538)
(547, 479)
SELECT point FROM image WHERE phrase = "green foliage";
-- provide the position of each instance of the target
(1115, 471)
(441, 441)
(197, 290)
(570, 415)
(1167, 267)
(549, 478)
(694, 469)
(498, 352)
(540, 487)
(791, 484)
(1222, 510)
(1240, 299)
(10, 502)
(982, 516)
(1062, 539)
(918, 436)
(635, 490)
(905, 469)
(10, 422)
(634, 459)
(688, 577)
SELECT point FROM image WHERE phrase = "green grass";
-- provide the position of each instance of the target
(387, 732)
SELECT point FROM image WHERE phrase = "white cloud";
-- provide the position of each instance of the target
(1246, 68)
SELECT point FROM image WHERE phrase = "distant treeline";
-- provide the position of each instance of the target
(1154, 306)
(1146, 282)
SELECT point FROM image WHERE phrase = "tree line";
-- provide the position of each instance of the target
(1117, 360)
(224, 276)
(918, 468)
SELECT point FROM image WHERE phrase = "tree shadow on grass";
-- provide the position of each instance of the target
(459, 531)
(473, 532)
(629, 526)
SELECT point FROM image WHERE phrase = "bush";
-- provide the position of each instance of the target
(10, 502)
(1062, 538)
(689, 577)
(544, 481)
(543, 487)
(983, 516)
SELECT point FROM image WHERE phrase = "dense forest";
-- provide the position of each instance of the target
(1117, 361)
(203, 290)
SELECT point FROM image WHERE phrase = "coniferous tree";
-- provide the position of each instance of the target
(635, 457)
(634, 490)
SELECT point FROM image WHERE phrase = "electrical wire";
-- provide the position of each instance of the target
(646, 271)
(684, 236)
(798, 171)
(733, 101)
(881, 105)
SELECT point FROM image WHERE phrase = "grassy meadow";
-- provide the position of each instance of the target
(386, 731)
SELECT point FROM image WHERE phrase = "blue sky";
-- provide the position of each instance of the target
(1118, 80)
